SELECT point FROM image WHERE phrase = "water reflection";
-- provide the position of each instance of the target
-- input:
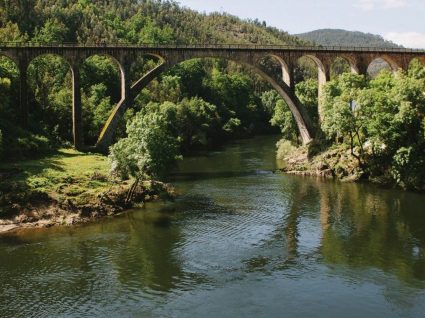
(238, 238)
(371, 228)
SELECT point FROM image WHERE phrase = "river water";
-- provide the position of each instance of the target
(240, 241)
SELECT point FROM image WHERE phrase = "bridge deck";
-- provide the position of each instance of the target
(250, 47)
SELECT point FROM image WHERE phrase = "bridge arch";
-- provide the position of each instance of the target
(379, 64)
(10, 69)
(115, 61)
(322, 70)
(346, 59)
(392, 63)
(285, 70)
(58, 69)
(9, 57)
(300, 114)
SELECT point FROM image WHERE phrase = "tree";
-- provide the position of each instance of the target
(343, 116)
(149, 150)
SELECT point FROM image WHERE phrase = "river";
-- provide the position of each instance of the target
(240, 241)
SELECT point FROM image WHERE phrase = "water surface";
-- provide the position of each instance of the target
(240, 241)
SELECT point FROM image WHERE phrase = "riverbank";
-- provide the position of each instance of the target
(336, 162)
(65, 189)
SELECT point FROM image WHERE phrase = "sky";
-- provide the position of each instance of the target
(401, 21)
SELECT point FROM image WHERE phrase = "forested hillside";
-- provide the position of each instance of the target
(331, 37)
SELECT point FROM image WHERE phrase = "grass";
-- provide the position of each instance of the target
(68, 174)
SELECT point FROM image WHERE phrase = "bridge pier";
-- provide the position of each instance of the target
(288, 76)
(23, 92)
(77, 118)
(324, 77)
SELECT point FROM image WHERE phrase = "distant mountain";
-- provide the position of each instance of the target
(335, 37)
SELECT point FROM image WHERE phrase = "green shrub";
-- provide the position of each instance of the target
(284, 148)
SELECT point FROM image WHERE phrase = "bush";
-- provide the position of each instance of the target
(149, 151)
(284, 148)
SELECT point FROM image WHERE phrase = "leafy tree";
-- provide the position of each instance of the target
(307, 92)
(52, 31)
(284, 119)
(149, 150)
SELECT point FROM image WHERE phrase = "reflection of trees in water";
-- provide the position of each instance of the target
(368, 227)
(148, 259)
(299, 192)
(363, 228)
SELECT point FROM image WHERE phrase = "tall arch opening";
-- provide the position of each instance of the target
(9, 89)
(381, 64)
(223, 97)
(341, 65)
(238, 86)
(310, 74)
(9, 105)
(102, 80)
(50, 97)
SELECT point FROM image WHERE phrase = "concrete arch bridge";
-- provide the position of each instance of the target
(169, 55)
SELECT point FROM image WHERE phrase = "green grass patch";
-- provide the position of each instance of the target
(68, 174)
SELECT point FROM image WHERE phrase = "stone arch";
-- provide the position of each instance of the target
(10, 57)
(286, 72)
(301, 117)
(390, 61)
(122, 69)
(41, 55)
(378, 64)
(26, 79)
(323, 75)
(15, 78)
(349, 60)
(323, 71)
(26, 66)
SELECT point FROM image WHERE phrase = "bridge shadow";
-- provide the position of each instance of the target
(190, 176)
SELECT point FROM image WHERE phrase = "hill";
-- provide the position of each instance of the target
(329, 37)
(132, 21)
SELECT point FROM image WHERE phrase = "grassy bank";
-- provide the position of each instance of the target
(65, 188)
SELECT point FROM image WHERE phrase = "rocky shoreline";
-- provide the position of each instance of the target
(49, 212)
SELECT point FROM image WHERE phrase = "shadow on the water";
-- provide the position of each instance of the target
(195, 176)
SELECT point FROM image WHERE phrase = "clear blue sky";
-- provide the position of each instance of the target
(402, 21)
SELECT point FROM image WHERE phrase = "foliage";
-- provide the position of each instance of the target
(284, 148)
(330, 37)
(381, 120)
(149, 150)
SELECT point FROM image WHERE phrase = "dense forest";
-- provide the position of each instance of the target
(331, 37)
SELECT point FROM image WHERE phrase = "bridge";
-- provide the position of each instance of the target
(169, 55)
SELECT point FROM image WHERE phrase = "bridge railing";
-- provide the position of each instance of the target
(205, 46)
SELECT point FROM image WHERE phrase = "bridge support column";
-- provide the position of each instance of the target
(128, 93)
(127, 98)
(23, 92)
(324, 77)
(288, 76)
(77, 118)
